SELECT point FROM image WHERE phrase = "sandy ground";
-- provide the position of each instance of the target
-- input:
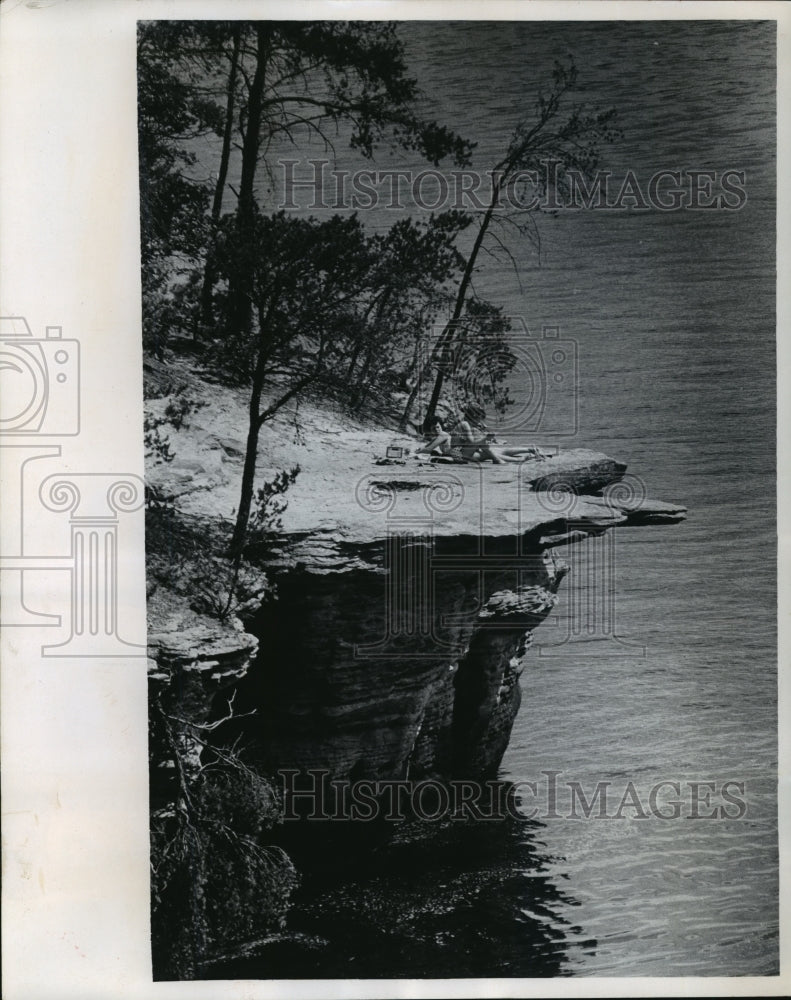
(331, 447)
(342, 488)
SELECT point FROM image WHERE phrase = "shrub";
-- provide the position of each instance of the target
(215, 881)
(157, 445)
(219, 588)
(180, 407)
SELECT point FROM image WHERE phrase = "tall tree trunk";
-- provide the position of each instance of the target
(417, 368)
(246, 494)
(241, 308)
(210, 269)
(404, 422)
(353, 362)
(251, 449)
(364, 385)
(362, 390)
(380, 304)
(442, 350)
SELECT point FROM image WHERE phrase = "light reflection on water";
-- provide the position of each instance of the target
(674, 318)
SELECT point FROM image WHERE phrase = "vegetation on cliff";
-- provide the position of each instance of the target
(216, 878)
(283, 302)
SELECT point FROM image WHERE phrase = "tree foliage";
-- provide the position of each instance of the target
(290, 303)
(283, 304)
(217, 881)
(287, 301)
(558, 138)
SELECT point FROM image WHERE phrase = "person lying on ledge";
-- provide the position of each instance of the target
(473, 444)
(471, 440)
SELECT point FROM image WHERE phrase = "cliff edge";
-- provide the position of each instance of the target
(407, 592)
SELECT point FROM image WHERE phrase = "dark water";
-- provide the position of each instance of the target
(673, 317)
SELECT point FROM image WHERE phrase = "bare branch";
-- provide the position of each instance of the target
(208, 727)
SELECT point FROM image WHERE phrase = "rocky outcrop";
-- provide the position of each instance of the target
(408, 592)
(403, 615)
(488, 694)
(362, 671)
(195, 665)
(395, 646)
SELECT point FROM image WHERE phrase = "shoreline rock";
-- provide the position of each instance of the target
(407, 594)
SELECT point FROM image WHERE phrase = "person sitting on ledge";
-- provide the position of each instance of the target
(471, 440)
(440, 438)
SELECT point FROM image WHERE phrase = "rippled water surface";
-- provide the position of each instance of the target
(675, 322)
(673, 315)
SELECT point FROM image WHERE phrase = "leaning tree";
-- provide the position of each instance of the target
(558, 143)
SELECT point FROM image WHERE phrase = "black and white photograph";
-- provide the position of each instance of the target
(393, 462)
(459, 370)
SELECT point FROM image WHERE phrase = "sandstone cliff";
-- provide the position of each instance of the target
(407, 593)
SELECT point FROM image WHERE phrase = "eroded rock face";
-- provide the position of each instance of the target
(407, 599)
(488, 694)
(395, 646)
(195, 665)
(407, 667)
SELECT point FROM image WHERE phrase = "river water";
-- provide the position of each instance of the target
(672, 314)
(674, 317)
